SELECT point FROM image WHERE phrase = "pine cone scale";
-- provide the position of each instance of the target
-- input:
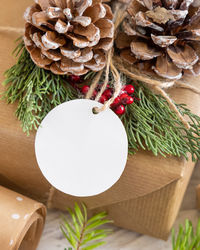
(106, 28)
(70, 52)
(166, 69)
(90, 32)
(143, 51)
(61, 27)
(39, 59)
(183, 57)
(163, 41)
(86, 55)
(66, 36)
(96, 12)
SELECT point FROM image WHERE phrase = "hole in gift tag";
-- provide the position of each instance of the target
(80, 153)
(94, 111)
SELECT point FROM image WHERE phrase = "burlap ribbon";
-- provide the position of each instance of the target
(21, 221)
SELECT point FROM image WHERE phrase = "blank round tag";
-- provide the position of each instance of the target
(81, 153)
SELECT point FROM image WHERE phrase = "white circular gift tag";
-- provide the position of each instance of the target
(81, 153)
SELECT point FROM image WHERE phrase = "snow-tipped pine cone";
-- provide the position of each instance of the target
(69, 36)
(162, 37)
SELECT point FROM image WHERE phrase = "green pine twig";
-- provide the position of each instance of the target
(36, 90)
(187, 238)
(151, 125)
(149, 122)
(83, 233)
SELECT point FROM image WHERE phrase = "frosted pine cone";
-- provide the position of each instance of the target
(162, 37)
(69, 36)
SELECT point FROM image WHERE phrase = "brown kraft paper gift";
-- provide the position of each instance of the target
(147, 197)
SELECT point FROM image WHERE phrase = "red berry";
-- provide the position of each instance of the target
(116, 101)
(129, 89)
(107, 93)
(103, 99)
(74, 78)
(85, 89)
(123, 96)
(129, 100)
(120, 110)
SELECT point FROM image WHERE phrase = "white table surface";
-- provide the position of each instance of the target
(122, 239)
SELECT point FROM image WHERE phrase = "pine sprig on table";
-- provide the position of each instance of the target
(36, 90)
(187, 238)
(84, 233)
(149, 121)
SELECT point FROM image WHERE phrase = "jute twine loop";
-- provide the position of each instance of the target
(94, 84)
(117, 84)
(106, 78)
(12, 29)
(187, 86)
(119, 15)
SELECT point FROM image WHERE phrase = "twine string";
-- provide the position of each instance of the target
(117, 86)
(160, 88)
(11, 29)
(172, 105)
(94, 84)
(106, 78)
(189, 87)
(117, 19)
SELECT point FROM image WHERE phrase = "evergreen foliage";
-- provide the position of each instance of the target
(36, 90)
(151, 124)
(149, 121)
(187, 238)
(84, 233)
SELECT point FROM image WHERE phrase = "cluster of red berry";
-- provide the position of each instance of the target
(118, 106)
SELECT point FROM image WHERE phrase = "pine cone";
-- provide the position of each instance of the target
(162, 37)
(69, 36)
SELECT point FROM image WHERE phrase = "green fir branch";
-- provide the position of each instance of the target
(83, 233)
(36, 90)
(151, 125)
(149, 122)
(186, 238)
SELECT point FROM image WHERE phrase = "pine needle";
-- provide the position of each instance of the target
(83, 233)
(187, 238)
(149, 122)
(36, 90)
(151, 125)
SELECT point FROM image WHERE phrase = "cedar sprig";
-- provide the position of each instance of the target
(84, 233)
(36, 90)
(187, 238)
(149, 122)
(151, 125)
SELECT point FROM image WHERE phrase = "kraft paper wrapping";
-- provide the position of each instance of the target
(21, 221)
(147, 197)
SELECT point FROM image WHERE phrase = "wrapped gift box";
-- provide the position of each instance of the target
(147, 197)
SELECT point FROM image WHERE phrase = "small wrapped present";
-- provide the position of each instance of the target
(148, 195)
